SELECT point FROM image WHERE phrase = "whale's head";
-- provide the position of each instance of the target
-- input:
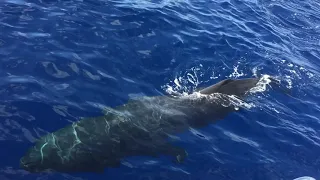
(40, 157)
(61, 153)
(32, 161)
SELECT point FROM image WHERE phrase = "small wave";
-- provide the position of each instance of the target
(146, 4)
(305, 178)
(238, 138)
(262, 84)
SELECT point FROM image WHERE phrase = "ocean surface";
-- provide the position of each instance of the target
(62, 60)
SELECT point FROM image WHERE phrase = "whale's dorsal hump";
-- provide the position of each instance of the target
(215, 88)
(238, 87)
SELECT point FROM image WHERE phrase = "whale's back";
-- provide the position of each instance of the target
(238, 87)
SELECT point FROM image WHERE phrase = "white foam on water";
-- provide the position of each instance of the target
(305, 178)
(214, 76)
(236, 73)
(225, 100)
(176, 81)
(240, 103)
(186, 83)
(289, 81)
(192, 79)
(262, 84)
(292, 72)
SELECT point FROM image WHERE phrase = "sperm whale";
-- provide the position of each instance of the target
(140, 127)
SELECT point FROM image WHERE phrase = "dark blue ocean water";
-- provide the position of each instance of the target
(61, 60)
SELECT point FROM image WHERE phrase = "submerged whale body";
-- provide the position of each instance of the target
(139, 127)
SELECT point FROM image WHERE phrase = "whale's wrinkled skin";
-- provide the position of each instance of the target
(139, 127)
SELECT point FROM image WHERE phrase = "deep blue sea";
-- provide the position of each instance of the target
(62, 60)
